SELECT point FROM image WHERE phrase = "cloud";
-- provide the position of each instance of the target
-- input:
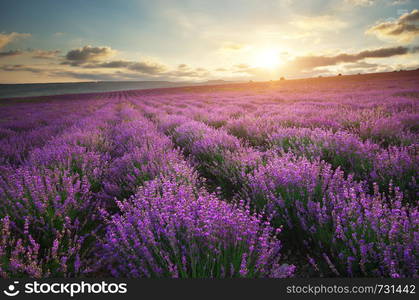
(400, 2)
(318, 23)
(410, 17)
(404, 29)
(88, 54)
(36, 54)
(232, 46)
(140, 75)
(362, 65)
(113, 70)
(45, 54)
(87, 76)
(22, 68)
(184, 70)
(61, 71)
(241, 66)
(85, 64)
(109, 64)
(8, 38)
(90, 57)
(311, 62)
(366, 3)
(361, 2)
(10, 53)
(147, 67)
(144, 67)
(190, 73)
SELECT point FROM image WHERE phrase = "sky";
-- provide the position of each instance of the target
(200, 40)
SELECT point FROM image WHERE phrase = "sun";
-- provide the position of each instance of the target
(267, 59)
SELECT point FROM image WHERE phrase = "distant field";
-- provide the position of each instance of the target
(307, 178)
(32, 90)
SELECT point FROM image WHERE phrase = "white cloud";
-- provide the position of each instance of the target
(361, 2)
(318, 23)
(404, 29)
(9, 38)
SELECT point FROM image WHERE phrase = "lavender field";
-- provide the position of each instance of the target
(296, 178)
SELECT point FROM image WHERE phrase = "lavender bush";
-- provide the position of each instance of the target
(171, 230)
(351, 232)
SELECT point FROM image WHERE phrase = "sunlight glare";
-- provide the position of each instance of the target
(268, 59)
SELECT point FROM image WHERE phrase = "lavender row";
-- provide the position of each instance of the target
(347, 231)
(48, 210)
(366, 160)
(332, 216)
(50, 217)
(172, 227)
(15, 145)
(390, 120)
